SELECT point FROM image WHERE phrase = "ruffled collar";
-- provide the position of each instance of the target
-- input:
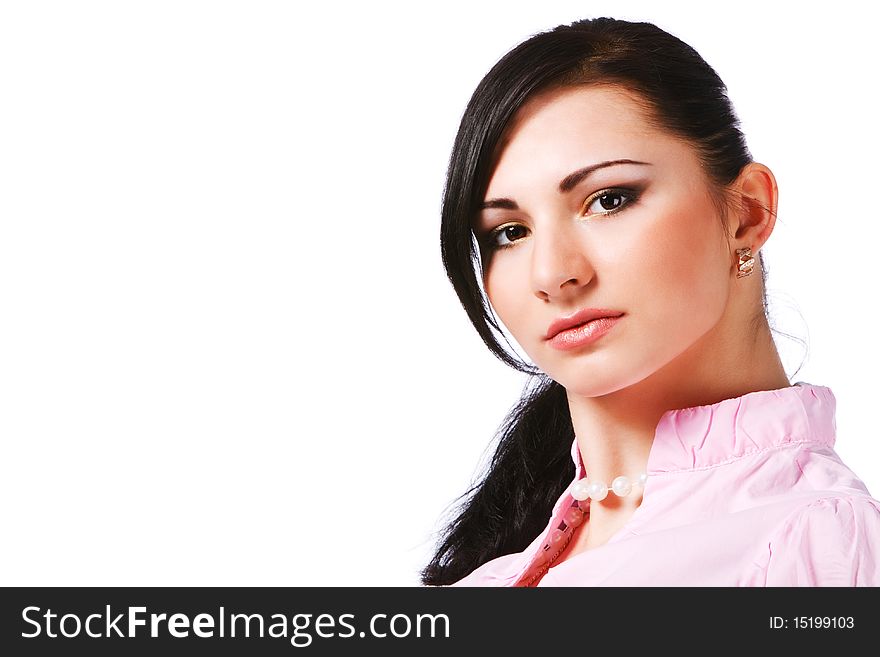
(705, 436)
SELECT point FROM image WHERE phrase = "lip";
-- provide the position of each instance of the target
(578, 318)
(584, 334)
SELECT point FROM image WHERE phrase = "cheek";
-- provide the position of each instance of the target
(504, 287)
(685, 262)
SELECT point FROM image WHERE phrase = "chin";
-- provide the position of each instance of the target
(590, 385)
(598, 380)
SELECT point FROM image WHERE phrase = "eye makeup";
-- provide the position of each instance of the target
(618, 198)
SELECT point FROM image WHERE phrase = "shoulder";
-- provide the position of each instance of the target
(831, 541)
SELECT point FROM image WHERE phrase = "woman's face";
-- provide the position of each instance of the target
(641, 239)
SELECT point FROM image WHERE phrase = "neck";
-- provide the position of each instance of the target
(615, 431)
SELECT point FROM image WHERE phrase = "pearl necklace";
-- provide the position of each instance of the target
(583, 489)
(574, 516)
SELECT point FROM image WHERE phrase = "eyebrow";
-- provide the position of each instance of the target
(565, 185)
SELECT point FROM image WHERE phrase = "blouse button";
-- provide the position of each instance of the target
(573, 517)
(556, 536)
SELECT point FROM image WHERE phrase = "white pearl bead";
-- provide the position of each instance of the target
(598, 491)
(621, 486)
(573, 517)
(581, 489)
(643, 479)
(556, 536)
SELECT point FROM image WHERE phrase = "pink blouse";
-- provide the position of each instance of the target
(745, 492)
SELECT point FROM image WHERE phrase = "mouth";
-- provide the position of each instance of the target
(584, 333)
(579, 320)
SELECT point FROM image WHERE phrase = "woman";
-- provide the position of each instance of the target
(600, 181)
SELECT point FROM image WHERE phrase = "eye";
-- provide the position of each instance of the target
(510, 232)
(609, 201)
(602, 203)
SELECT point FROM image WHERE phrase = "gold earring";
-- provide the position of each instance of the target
(746, 262)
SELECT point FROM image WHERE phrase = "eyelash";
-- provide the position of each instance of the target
(630, 195)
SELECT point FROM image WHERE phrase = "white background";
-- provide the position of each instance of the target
(229, 354)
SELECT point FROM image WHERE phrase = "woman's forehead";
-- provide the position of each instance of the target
(582, 111)
(569, 128)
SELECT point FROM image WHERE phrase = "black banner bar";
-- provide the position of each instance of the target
(428, 621)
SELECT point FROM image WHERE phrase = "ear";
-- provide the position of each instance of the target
(754, 219)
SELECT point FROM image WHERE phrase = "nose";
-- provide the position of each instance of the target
(561, 265)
